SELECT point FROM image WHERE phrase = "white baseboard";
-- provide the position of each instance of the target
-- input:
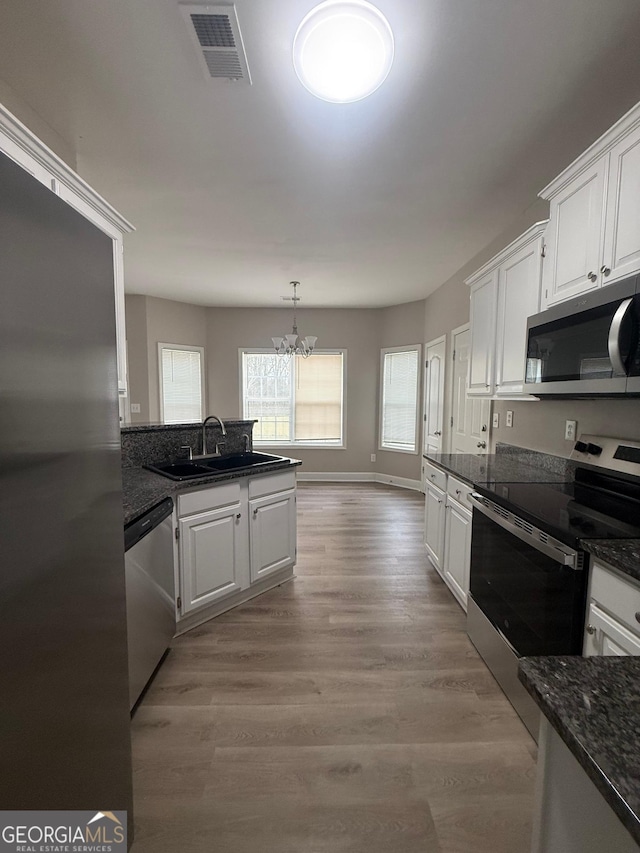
(358, 477)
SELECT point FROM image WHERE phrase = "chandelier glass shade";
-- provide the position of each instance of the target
(293, 344)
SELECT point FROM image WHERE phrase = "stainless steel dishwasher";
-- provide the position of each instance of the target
(150, 585)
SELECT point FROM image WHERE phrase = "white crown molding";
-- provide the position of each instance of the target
(49, 160)
(599, 148)
(529, 236)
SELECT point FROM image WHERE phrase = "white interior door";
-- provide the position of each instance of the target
(436, 354)
(470, 416)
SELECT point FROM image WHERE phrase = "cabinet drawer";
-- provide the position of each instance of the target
(459, 491)
(618, 596)
(435, 476)
(208, 498)
(269, 484)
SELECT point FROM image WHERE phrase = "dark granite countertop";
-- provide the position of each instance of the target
(498, 468)
(142, 489)
(622, 554)
(594, 705)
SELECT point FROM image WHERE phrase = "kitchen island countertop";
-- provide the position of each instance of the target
(142, 489)
(594, 705)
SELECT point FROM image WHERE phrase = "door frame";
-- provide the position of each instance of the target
(442, 339)
(448, 411)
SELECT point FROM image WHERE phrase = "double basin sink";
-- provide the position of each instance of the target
(206, 466)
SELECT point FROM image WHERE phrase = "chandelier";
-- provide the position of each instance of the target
(293, 344)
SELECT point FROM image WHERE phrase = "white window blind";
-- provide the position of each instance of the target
(181, 374)
(399, 406)
(294, 400)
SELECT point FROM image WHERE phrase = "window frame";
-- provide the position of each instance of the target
(417, 348)
(203, 385)
(309, 445)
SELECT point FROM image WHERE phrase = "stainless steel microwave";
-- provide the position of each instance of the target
(588, 346)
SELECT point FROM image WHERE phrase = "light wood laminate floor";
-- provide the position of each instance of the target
(344, 712)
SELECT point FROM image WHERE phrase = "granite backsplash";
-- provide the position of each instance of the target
(144, 445)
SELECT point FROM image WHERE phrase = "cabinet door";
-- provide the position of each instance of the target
(574, 236)
(604, 635)
(483, 325)
(434, 525)
(621, 255)
(519, 281)
(210, 556)
(457, 550)
(272, 533)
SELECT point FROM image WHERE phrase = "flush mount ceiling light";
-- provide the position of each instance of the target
(292, 344)
(343, 50)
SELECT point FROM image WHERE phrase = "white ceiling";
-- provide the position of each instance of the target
(235, 190)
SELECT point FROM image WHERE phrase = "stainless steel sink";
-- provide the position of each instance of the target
(211, 465)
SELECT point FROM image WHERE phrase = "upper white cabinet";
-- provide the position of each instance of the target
(593, 237)
(504, 293)
(483, 324)
(17, 142)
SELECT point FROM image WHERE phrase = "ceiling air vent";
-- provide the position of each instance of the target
(216, 33)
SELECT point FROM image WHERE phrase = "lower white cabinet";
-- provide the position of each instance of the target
(232, 536)
(457, 549)
(612, 624)
(272, 533)
(447, 529)
(210, 556)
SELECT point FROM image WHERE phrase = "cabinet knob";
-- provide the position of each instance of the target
(255, 513)
(590, 629)
(592, 276)
(239, 515)
(482, 444)
(457, 491)
(605, 270)
(433, 476)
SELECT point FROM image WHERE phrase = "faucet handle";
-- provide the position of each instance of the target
(219, 444)
(189, 451)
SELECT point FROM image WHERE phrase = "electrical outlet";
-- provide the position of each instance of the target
(373, 457)
(135, 408)
(570, 430)
(496, 420)
(509, 419)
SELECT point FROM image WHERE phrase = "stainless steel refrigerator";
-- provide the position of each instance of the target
(64, 713)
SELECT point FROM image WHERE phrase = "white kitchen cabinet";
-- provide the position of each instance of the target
(519, 282)
(612, 624)
(457, 549)
(210, 556)
(434, 525)
(272, 533)
(483, 329)
(575, 235)
(231, 540)
(593, 237)
(18, 143)
(621, 255)
(503, 294)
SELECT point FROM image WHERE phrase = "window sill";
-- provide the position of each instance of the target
(288, 445)
(399, 450)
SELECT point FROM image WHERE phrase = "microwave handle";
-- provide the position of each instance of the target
(614, 337)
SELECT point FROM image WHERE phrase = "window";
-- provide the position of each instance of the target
(400, 368)
(297, 400)
(181, 383)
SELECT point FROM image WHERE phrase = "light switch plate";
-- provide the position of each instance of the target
(373, 457)
(496, 420)
(135, 408)
(570, 429)
(509, 418)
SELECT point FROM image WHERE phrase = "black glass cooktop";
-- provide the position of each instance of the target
(595, 506)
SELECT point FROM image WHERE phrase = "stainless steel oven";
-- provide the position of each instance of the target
(527, 597)
(587, 346)
(529, 567)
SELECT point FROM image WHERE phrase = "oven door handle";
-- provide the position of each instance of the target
(533, 536)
